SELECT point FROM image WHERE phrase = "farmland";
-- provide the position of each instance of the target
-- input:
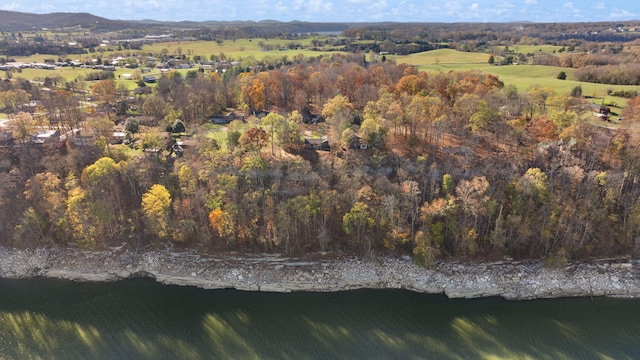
(521, 76)
(250, 51)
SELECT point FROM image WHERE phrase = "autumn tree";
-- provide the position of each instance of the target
(23, 126)
(105, 91)
(272, 122)
(82, 219)
(13, 100)
(289, 132)
(253, 94)
(254, 139)
(472, 196)
(338, 112)
(358, 223)
(44, 218)
(155, 107)
(156, 204)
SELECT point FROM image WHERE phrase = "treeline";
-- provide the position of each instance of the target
(25, 48)
(501, 33)
(455, 165)
(622, 74)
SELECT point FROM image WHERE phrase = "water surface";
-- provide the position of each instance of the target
(142, 319)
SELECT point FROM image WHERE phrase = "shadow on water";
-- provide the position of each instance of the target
(142, 319)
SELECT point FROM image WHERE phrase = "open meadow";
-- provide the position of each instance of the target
(240, 49)
(522, 77)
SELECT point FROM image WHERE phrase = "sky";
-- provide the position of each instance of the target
(343, 10)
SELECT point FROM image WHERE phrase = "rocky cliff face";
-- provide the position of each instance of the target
(511, 280)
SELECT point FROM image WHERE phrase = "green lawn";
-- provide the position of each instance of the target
(219, 132)
(129, 152)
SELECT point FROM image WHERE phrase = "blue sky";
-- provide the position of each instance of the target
(343, 10)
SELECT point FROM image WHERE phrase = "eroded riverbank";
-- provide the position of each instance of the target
(511, 280)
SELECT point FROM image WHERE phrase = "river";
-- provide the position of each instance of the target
(138, 318)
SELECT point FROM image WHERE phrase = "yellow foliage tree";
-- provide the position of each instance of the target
(156, 204)
(216, 220)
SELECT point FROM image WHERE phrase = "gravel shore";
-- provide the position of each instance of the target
(268, 272)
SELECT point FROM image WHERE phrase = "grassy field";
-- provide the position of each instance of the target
(529, 49)
(68, 73)
(237, 50)
(522, 77)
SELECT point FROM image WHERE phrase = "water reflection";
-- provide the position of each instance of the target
(142, 319)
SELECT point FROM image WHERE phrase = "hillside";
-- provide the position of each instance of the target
(19, 21)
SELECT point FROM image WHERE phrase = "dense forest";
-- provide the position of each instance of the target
(436, 165)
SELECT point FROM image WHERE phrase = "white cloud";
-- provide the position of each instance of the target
(504, 6)
(319, 6)
(530, 2)
(474, 7)
(621, 14)
(378, 6)
(281, 8)
(297, 5)
(452, 8)
(10, 7)
(571, 10)
(598, 6)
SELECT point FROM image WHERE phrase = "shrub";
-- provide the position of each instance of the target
(576, 91)
(178, 126)
(132, 125)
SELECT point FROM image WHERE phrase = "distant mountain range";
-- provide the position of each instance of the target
(19, 21)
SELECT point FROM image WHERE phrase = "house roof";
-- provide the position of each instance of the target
(316, 141)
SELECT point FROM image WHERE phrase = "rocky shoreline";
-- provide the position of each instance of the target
(274, 273)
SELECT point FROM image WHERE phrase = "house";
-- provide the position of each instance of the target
(149, 79)
(309, 118)
(321, 143)
(83, 139)
(126, 76)
(45, 137)
(143, 90)
(118, 137)
(6, 138)
(260, 114)
(601, 112)
(225, 119)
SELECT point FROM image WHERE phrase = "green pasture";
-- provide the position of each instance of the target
(528, 49)
(236, 50)
(522, 77)
(442, 57)
(68, 73)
